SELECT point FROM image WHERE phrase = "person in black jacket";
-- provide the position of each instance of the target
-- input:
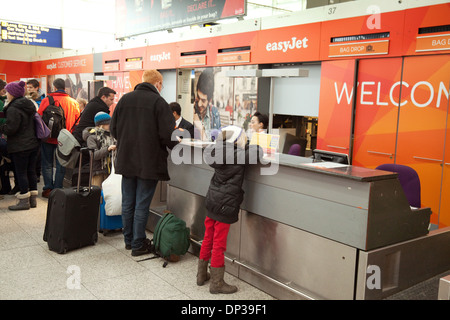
(100, 103)
(229, 157)
(142, 124)
(22, 143)
(180, 122)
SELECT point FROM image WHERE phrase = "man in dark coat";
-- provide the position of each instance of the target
(100, 103)
(181, 122)
(142, 124)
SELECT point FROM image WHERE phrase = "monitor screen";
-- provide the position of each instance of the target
(322, 155)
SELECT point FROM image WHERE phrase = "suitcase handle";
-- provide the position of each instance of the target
(91, 161)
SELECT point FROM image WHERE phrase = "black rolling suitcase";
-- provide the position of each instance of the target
(72, 215)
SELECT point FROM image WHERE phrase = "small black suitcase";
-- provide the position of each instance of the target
(72, 215)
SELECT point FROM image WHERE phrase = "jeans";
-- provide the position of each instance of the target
(25, 164)
(47, 156)
(137, 195)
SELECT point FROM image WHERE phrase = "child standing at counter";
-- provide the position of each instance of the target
(228, 157)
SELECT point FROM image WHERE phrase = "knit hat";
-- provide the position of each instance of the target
(16, 89)
(233, 134)
(102, 118)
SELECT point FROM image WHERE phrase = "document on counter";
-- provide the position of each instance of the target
(326, 164)
(194, 142)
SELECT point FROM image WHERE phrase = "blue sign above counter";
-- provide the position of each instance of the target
(27, 34)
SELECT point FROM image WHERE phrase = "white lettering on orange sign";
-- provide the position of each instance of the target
(368, 93)
(66, 64)
(160, 57)
(284, 46)
(121, 83)
(441, 42)
(51, 66)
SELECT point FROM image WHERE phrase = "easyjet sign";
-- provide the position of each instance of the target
(290, 44)
(296, 43)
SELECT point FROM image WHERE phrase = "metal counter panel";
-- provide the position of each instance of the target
(332, 220)
(333, 188)
(401, 265)
(299, 259)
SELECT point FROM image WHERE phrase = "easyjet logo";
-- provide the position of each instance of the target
(51, 66)
(160, 57)
(291, 44)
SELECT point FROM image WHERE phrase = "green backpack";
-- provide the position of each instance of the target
(171, 237)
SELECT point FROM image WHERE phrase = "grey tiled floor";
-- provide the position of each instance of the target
(29, 270)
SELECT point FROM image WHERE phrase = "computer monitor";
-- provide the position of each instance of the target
(323, 155)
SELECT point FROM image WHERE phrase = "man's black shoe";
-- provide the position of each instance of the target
(144, 249)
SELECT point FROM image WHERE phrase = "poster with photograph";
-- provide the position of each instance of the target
(219, 100)
(76, 84)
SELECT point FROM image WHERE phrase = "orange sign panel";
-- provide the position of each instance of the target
(296, 43)
(197, 60)
(433, 43)
(376, 115)
(133, 64)
(75, 64)
(361, 48)
(336, 103)
(233, 57)
(422, 123)
(161, 57)
(114, 66)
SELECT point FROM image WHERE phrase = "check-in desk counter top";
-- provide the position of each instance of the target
(359, 207)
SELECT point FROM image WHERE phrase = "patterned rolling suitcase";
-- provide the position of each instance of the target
(72, 215)
(108, 224)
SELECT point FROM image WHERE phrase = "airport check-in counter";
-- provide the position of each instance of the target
(314, 230)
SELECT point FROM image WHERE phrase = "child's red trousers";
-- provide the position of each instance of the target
(214, 243)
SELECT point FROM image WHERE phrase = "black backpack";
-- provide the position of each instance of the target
(53, 117)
